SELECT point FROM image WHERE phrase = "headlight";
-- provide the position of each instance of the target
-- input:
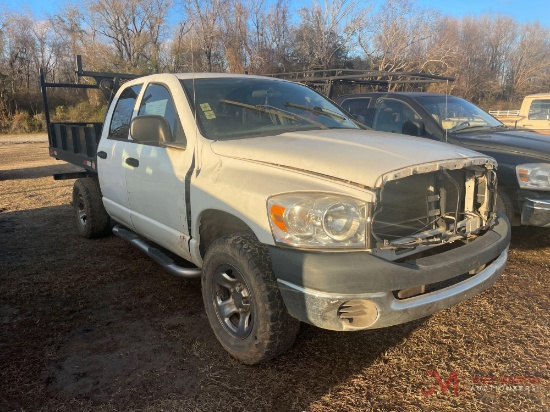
(534, 176)
(318, 220)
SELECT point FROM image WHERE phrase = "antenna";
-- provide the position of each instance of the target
(446, 110)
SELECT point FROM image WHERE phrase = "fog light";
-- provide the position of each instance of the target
(358, 314)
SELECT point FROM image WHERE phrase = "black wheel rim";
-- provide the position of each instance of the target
(232, 301)
(81, 210)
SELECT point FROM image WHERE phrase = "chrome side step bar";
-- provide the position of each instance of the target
(161, 258)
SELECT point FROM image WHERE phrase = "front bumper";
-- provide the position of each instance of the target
(535, 212)
(357, 290)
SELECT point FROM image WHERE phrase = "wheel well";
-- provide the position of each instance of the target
(215, 224)
(507, 206)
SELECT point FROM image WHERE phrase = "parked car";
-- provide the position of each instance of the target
(534, 114)
(523, 157)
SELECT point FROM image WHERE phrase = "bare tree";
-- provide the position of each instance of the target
(134, 28)
(205, 19)
(75, 36)
(327, 31)
(527, 64)
(483, 46)
(494, 58)
(268, 42)
(234, 35)
(20, 50)
(405, 37)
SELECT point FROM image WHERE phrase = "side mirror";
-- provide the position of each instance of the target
(413, 128)
(150, 129)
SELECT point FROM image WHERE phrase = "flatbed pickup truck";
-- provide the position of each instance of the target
(287, 209)
(534, 114)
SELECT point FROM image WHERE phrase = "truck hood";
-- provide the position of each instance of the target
(501, 142)
(356, 156)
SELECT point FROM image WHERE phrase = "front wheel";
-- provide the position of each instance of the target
(504, 205)
(243, 303)
(91, 217)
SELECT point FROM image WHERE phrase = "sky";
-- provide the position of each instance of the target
(524, 11)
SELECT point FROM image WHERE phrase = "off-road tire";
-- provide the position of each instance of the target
(272, 330)
(91, 218)
(504, 205)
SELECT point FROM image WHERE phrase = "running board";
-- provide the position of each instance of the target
(161, 258)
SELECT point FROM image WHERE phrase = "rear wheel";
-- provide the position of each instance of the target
(243, 303)
(91, 217)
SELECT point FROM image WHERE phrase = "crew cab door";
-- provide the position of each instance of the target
(112, 154)
(157, 175)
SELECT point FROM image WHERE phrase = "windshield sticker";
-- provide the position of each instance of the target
(207, 110)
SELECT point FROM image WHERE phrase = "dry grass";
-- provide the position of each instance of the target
(96, 325)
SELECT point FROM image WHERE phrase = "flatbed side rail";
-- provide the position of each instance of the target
(75, 143)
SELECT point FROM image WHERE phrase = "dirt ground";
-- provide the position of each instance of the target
(96, 325)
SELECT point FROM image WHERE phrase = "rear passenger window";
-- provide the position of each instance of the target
(120, 122)
(157, 100)
(357, 106)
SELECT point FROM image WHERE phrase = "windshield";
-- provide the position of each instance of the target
(456, 114)
(238, 107)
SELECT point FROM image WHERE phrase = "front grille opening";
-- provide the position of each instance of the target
(445, 247)
(434, 287)
(418, 203)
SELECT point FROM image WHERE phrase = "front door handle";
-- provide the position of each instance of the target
(132, 162)
(102, 154)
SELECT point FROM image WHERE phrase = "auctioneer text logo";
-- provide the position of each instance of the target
(497, 383)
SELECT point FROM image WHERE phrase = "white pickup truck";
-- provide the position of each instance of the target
(287, 209)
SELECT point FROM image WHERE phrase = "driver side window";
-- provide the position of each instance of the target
(120, 121)
(395, 116)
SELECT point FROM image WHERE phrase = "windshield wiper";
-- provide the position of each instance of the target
(317, 110)
(274, 111)
(470, 127)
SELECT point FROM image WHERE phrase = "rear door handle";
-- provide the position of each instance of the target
(132, 162)
(102, 154)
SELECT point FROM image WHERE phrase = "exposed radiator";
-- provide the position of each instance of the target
(417, 203)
